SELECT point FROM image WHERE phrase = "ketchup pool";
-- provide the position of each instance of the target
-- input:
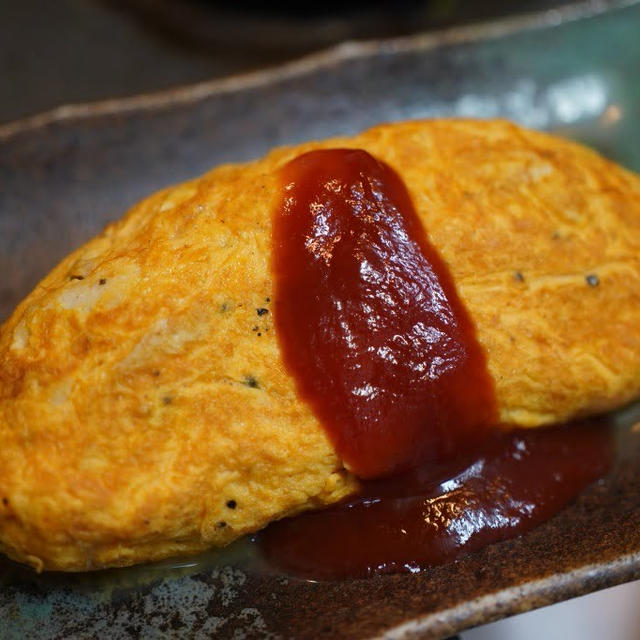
(384, 352)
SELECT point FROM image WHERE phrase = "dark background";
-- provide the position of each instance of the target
(55, 52)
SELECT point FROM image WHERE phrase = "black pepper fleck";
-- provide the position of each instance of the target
(259, 334)
(167, 399)
(262, 311)
(222, 524)
(155, 373)
(232, 504)
(250, 381)
(592, 280)
(267, 299)
(102, 281)
(224, 307)
(518, 276)
(76, 277)
(5, 502)
(255, 328)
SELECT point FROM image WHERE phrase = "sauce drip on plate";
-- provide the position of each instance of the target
(368, 318)
(384, 352)
(437, 513)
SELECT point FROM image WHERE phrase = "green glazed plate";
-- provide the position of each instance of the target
(65, 174)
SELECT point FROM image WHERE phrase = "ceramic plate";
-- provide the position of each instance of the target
(65, 174)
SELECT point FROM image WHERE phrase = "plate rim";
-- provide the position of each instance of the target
(514, 600)
(323, 59)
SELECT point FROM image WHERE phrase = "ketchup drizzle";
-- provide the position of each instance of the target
(368, 318)
(384, 352)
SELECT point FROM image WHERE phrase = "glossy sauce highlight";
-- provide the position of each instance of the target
(438, 513)
(384, 352)
(368, 319)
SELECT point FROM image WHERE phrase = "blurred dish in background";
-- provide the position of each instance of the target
(130, 47)
(296, 28)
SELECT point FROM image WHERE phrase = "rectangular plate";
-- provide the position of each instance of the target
(64, 175)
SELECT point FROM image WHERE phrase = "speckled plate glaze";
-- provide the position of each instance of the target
(64, 174)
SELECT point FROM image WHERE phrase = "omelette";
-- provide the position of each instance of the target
(146, 410)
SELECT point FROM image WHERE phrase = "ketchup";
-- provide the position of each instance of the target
(384, 352)
(368, 318)
(438, 513)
